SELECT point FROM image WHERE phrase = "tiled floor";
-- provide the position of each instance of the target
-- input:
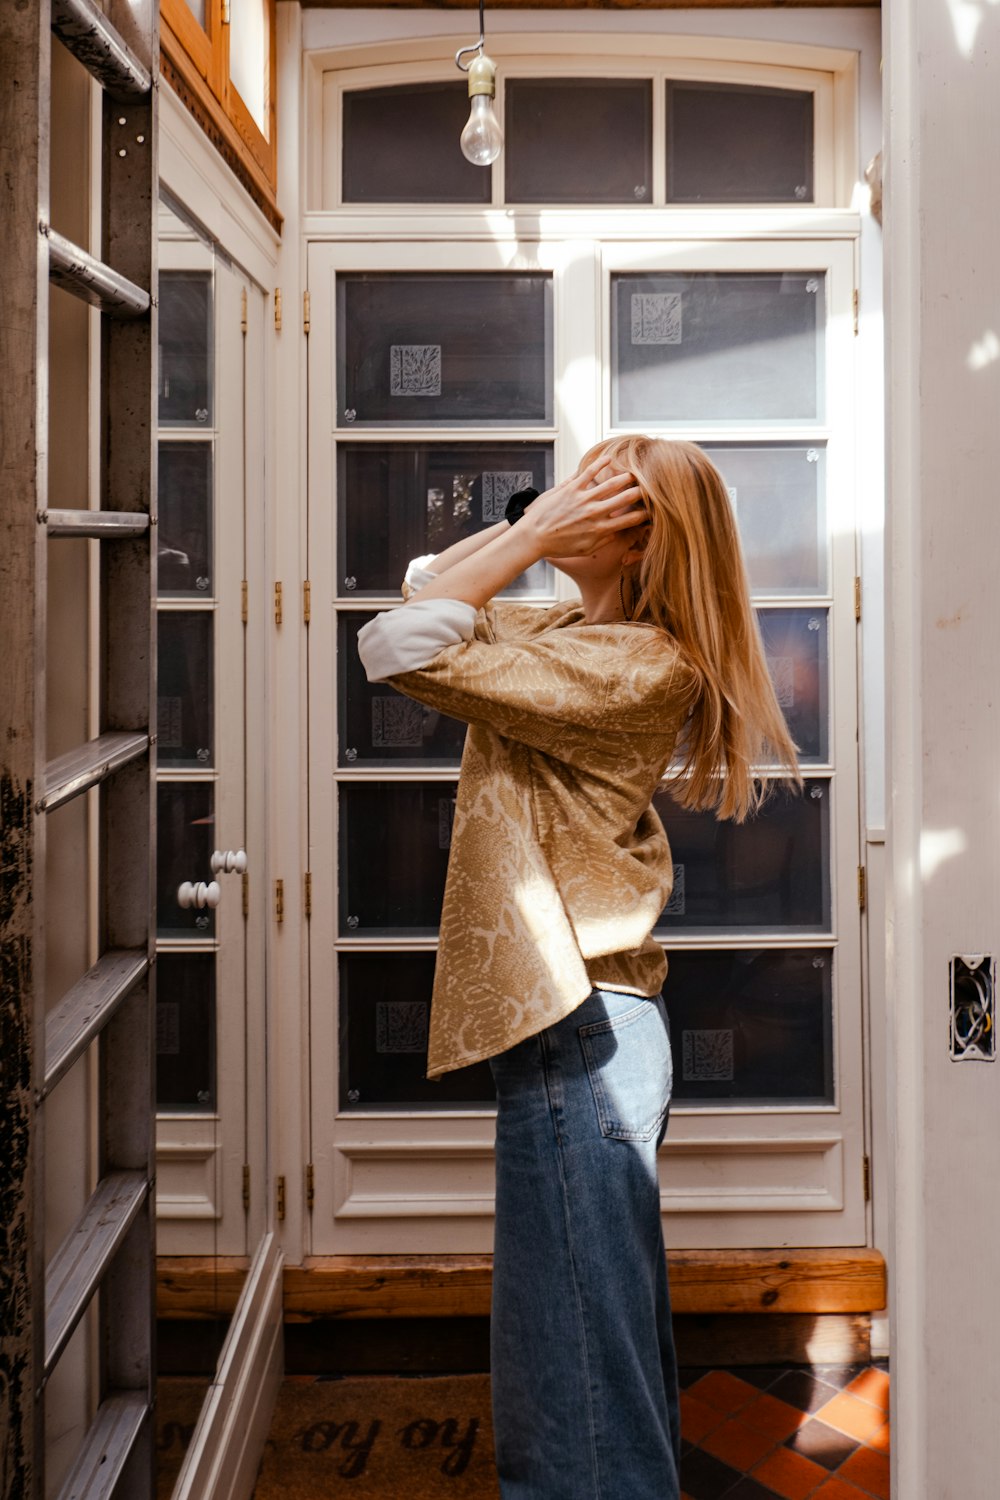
(795, 1434)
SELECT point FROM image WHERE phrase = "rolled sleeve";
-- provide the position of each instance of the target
(403, 640)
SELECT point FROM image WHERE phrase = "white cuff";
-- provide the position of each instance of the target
(410, 636)
(419, 573)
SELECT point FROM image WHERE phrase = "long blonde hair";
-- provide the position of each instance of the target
(692, 583)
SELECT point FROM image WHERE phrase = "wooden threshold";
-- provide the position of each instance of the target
(458, 1286)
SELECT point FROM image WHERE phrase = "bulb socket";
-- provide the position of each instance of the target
(482, 76)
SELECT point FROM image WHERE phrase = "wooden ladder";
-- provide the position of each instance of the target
(110, 1252)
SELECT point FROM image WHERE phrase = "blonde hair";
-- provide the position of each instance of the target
(692, 583)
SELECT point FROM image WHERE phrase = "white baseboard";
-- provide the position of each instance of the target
(222, 1460)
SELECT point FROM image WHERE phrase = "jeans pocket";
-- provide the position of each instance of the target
(630, 1067)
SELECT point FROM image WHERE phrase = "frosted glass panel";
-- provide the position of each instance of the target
(394, 844)
(249, 50)
(185, 1031)
(184, 551)
(717, 347)
(418, 350)
(380, 727)
(186, 364)
(385, 1001)
(185, 688)
(401, 146)
(197, 9)
(185, 830)
(578, 140)
(769, 874)
(403, 501)
(795, 644)
(779, 497)
(727, 143)
(753, 1026)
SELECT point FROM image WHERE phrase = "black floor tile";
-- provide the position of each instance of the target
(838, 1375)
(762, 1376)
(749, 1489)
(688, 1374)
(823, 1444)
(705, 1478)
(803, 1390)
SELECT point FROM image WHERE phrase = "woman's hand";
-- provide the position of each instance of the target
(577, 517)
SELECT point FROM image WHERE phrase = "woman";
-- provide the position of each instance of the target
(559, 870)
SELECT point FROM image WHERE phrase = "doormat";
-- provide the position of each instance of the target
(380, 1438)
(178, 1404)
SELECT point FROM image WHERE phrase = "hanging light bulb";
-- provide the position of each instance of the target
(482, 138)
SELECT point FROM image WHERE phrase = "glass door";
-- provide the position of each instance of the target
(443, 377)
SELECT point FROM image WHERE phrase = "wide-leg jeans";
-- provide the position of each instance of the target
(585, 1401)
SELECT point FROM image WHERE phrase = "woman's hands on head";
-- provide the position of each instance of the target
(575, 518)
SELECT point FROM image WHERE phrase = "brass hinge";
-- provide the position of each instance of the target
(862, 887)
(866, 1168)
(855, 310)
(281, 1197)
(307, 601)
(279, 900)
(246, 1187)
(309, 893)
(857, 598)
(244, 601)
(277, 309)
(243, 309)
(246, 894)
(227, 15)
(277, 604)
(310, 1186)
(306, 313)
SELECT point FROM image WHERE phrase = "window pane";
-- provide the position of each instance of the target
(578, 140)
(401, 145)
(385, 1003)
(771, 872)
(751, 1026)
(197, 9)
(727, 143)
(249, 57)
(400, 502)
(185, 1031)
(717, 347)
(795, 644)
(380, 727)
(184, 556)
(394, 842)
(184, 688)
(185, 830)
(185, 348)
(424, 349)
(779, 496)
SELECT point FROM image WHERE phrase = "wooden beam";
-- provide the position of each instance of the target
(199, 1287)
(588, 4)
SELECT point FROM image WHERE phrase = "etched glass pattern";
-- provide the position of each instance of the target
(795, 645)
(717, 347)
(406, 500)
(380, 727)
(384, 1010)
(752, 1026)
(184, 688)
(768, 874)
(186, 364)
(185, 1031)
(578, 140)
(401, 146)
(729, 143)
(416, 349)
(185, 830)
(778, 492)
(394, 843)
(184, 544)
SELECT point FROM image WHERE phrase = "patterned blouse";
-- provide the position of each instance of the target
(559, 867)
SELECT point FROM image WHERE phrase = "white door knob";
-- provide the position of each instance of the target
(189, 894)
(229, 862)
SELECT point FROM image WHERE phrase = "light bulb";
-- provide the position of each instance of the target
(482, 138)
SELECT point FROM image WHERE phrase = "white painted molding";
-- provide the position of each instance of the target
(224, 1455)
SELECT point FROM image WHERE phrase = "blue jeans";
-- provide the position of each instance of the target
(585, 1402)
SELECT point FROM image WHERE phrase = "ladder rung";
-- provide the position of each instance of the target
(108, 524)
(85, 1254)
(110, 1439)
(94, 42)
(78, 770)
(82, 274)
(86, 1009)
